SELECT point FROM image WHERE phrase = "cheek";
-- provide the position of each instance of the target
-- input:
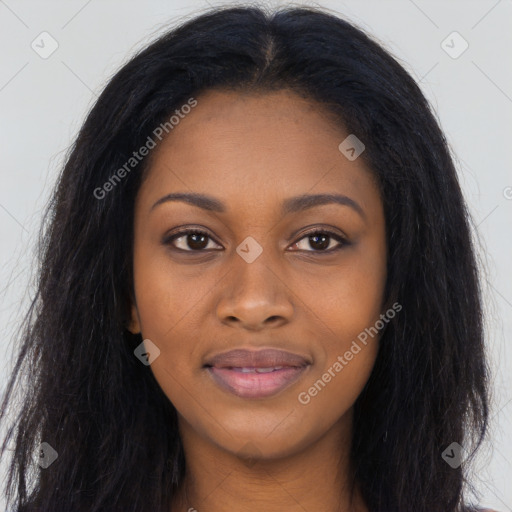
(349, 313)
(348, 321)
(167, 294)
(347, 298)
(166, 305)
(333, 391)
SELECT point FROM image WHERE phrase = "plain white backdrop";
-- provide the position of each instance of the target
(459, 52)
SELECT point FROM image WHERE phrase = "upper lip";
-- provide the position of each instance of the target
(263, 358)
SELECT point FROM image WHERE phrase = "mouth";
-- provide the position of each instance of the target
(256, 374)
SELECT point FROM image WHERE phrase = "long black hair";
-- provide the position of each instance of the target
(102, 411)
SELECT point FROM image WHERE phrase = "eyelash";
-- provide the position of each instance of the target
(318, 231)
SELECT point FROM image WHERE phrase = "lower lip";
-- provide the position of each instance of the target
(255, 385)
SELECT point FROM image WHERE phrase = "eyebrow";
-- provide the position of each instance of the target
(290, 205)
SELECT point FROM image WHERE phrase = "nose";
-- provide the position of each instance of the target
(255, 296)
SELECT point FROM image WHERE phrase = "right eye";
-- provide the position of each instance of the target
(191, 240)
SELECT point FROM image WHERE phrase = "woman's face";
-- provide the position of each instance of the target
(258, 279)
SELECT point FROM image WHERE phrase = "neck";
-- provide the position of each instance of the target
(314, 478)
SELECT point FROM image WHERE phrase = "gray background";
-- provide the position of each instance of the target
(43, 103)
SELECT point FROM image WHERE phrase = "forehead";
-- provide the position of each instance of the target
(254, 149)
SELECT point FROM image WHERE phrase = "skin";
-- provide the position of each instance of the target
(252, 152)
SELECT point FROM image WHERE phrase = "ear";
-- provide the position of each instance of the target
(134, 324)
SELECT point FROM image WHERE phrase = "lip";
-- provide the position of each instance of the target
(261, 358)
(237, 371)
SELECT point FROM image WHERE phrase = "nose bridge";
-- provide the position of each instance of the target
(252, 264)
(256, 229)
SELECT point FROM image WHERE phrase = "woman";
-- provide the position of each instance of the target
(258, 289)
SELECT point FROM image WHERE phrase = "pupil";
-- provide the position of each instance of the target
(195, 244)
(323, 244)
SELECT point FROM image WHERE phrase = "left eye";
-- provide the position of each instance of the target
(320, 241)
(195, 240)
